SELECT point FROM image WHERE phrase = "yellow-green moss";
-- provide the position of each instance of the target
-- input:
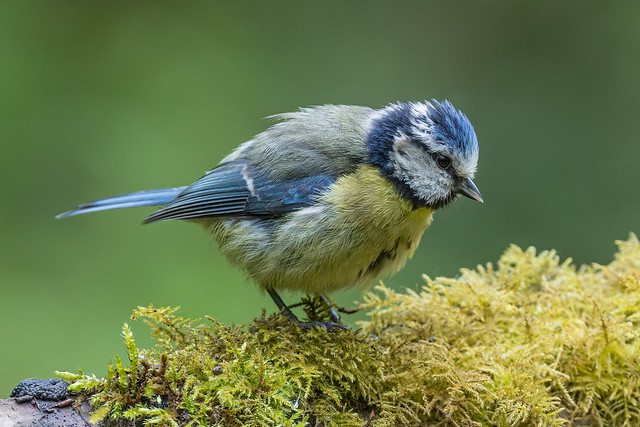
(529, 341)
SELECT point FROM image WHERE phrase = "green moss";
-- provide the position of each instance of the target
(529, 341)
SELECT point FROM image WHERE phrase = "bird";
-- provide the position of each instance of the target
(328, 197)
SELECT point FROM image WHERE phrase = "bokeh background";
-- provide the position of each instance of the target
(98, 99)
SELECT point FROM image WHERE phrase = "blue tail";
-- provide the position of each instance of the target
(141, 198)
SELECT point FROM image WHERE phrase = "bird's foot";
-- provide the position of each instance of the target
(286, 312)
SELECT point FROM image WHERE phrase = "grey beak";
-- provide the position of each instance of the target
(469, 189)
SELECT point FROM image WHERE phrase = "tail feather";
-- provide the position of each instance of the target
(140, 198)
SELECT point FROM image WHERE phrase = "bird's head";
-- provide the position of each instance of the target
(429, 150)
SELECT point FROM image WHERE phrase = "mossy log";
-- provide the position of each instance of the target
(531, 340)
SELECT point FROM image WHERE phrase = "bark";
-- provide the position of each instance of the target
(47, 403)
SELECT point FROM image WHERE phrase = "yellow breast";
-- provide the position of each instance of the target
(383, 229)
(359, 231)
(367, 199)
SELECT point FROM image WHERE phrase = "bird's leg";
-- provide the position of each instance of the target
(341, 309)
(286, 311)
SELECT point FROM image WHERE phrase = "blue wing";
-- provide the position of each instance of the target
(237, 189)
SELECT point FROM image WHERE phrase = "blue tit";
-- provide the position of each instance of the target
(329, 197)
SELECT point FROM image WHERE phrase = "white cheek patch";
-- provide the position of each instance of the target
(415, 167)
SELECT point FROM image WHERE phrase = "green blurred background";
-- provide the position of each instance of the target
(99, 99)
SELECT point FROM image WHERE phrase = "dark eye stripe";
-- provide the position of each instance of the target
(435, 155)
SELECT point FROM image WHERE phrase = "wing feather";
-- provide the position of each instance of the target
(237, 189)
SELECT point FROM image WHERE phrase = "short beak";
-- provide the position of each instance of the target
(469, 189)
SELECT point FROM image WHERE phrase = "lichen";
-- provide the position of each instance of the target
(529, 341)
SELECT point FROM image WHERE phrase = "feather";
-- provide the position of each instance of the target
(237, 189)
(141, 198)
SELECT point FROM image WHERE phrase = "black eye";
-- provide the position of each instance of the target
(443, 161)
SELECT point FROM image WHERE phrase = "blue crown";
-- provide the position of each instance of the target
(452, 127)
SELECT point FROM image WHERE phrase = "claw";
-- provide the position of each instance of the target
(286, 311)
